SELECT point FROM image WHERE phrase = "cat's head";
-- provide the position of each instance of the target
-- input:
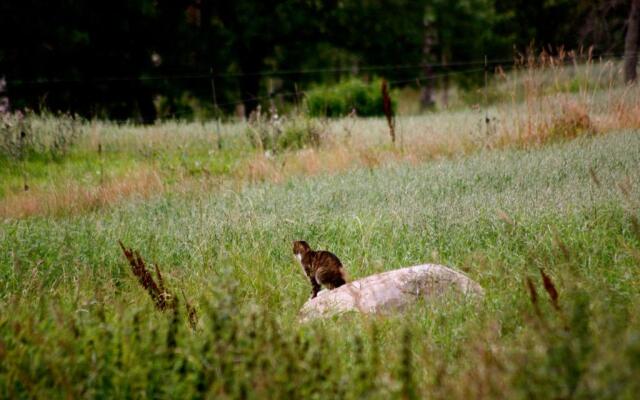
(300, 247)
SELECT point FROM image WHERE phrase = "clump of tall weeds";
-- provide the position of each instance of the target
(273, 132)
(24, 135)
(572, 121)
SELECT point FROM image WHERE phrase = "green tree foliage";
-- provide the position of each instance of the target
(465, 30)
(564, 22)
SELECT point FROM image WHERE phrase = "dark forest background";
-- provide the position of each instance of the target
(114, 59)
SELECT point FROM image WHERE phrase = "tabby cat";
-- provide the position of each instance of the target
(322, 267)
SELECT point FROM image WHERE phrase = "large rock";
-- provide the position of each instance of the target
(391, 290)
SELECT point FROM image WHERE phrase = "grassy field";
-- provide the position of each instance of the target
(71, 165)
(559, 196)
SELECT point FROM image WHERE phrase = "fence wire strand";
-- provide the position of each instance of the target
(504, 64)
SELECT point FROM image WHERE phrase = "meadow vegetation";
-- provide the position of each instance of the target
(535, 197)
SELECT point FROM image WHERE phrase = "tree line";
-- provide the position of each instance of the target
(115, 58)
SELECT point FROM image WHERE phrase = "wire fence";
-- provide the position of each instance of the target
(270, 73)
(274, 73)
(447, 70)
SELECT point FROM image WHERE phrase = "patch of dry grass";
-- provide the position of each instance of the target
(72, 197)
(537, 122)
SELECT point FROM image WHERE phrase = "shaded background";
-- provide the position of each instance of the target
(129, 59)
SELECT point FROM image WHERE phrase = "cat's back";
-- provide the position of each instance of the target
(327, 259)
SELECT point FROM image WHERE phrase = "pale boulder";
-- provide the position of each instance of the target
(391, 290)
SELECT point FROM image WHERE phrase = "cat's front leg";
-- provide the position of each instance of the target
(315, 287)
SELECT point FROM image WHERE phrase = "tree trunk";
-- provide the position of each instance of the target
(445, 83)
(144, 99)
(249, 88)
(4, 98)
(631, 43)
(250, 63)
(426, 95)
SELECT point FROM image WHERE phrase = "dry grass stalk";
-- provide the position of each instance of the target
(625, 188)
(157, 291)
(259, 169)
(388, 110)
(505, 218)
(160, 280)
(192, 314)
(550, 288)
(635, 226)
(369, 159)
(533, 295)
(561, 246)
(594, 176)
(161, 296)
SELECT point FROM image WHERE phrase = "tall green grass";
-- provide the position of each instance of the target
(76, 323)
